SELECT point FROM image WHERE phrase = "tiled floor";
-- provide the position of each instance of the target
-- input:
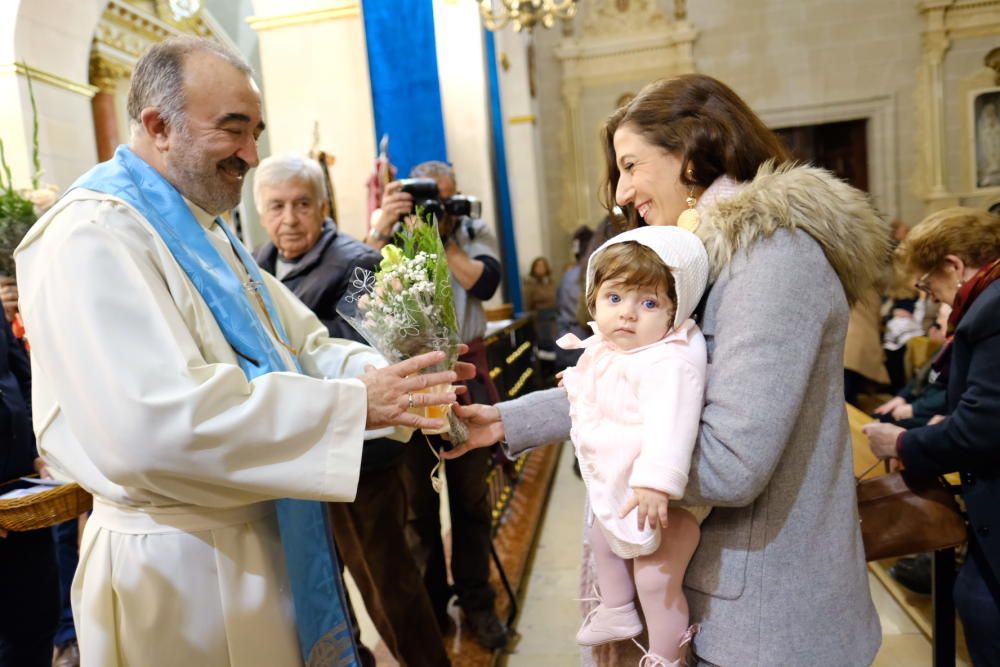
(550, 615)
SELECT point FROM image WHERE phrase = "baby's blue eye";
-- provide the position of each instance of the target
(614, 298)
(649, 304)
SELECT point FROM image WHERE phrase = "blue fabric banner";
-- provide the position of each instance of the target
(508, 246)
(406, 93)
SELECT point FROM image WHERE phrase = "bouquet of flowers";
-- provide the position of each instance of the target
(405, 307)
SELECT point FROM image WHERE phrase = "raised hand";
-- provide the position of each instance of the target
(485, 428)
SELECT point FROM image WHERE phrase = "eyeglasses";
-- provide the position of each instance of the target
(921, 283)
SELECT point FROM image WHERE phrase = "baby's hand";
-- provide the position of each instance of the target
(652, 505)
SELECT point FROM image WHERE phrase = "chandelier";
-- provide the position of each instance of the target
(524, 13)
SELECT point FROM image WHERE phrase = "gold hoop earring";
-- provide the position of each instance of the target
(689, 219)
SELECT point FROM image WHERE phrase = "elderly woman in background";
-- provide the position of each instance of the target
(956, 252)
(779, 577)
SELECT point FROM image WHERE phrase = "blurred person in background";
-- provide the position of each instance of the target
(539, 289)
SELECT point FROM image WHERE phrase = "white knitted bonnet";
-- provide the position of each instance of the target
(682, 252)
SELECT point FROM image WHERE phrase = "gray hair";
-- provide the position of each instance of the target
(279, 169)
(433, 169)
(158, 79)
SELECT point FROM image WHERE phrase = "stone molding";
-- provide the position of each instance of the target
(49, 78)
(332, 12)
(945, 21)
(881, 134)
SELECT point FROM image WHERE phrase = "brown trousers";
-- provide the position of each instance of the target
(371, 538)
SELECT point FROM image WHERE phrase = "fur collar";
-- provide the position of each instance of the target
(840, 218)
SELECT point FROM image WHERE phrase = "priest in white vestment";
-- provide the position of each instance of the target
(140, 396)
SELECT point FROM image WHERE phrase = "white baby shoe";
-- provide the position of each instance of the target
(608, 624)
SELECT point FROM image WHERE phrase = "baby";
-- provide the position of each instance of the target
(636, 397)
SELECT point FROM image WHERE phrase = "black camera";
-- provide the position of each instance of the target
(427, 198)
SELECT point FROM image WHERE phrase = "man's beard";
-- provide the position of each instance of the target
(201, 182)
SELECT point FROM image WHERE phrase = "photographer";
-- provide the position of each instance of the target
(472, 256)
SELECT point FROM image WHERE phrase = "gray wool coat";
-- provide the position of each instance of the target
(779, 577)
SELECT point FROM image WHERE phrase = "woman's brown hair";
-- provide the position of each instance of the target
(969, 233)
(700, 120)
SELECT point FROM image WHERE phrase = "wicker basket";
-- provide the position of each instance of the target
(45, 508)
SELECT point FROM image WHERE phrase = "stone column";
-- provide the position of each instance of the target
(105, 75)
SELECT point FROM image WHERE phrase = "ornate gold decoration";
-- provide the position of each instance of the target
(105, 73)
(524, 14)
(606, 16)
(680, 10)
(334, 11)
(128, 27)
(48, 77)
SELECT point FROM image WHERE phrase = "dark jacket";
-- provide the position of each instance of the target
(320, 279)
(968, 441)
(17, 441)
(322, 276)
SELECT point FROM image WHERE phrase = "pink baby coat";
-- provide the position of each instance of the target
(635, 418)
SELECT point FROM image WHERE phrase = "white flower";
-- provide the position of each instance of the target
(43, 198)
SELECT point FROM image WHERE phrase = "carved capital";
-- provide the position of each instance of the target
(935, 44)
(680, 10)
(992, 60)
(615, 16)
(105, 73)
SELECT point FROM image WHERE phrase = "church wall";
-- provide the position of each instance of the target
(315, 75)
(963, 61)
(60, 50)
(795, 63)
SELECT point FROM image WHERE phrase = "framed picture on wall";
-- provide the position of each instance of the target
(986, 138)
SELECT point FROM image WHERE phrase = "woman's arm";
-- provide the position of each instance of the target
(535, 419)
(967, 439)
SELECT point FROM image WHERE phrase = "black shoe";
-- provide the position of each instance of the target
(490, 631)
(913, 573)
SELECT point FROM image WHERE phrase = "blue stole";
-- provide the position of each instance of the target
(325, 635)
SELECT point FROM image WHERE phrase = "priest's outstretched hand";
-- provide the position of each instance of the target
(394, 389)
(485, 428)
